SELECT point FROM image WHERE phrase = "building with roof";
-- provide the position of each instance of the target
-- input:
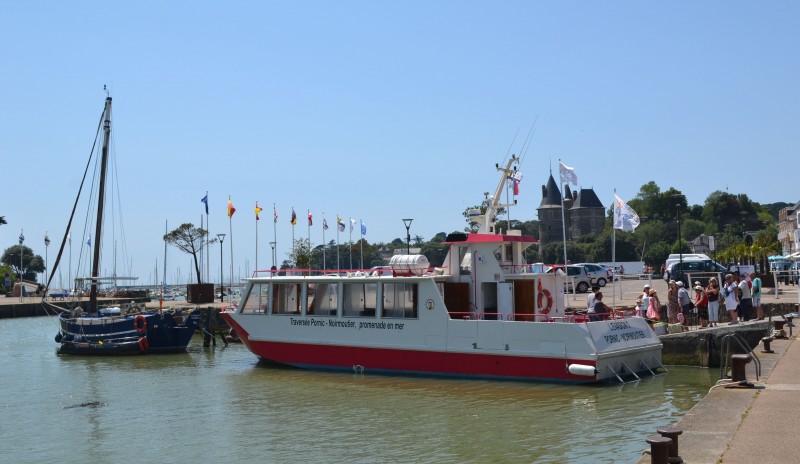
(583, 212)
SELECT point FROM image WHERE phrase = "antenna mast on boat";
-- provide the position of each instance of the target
(100, 197)
(486, 220)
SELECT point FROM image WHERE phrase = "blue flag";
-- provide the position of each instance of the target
(363, 228)
(205, 200)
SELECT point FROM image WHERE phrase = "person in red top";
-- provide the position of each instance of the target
(701, 303)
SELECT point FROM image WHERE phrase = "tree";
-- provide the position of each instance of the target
(189, 239)
(31, 264)
(300, 254)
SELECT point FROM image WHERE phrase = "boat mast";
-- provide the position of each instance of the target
(486, 220)
(100, 197)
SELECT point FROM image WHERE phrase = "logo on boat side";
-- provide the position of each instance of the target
(429, 303)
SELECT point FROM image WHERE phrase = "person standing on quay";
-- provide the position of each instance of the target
(757, 296)
(745, 298)
(712, 294)
(701, 304)
(672, 303)
(685, 304)
(731, 297)
(642, 302)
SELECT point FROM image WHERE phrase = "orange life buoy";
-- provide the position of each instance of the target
(544, 294)
(140, 324)
(144, 344)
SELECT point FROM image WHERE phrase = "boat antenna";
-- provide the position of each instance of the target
(105, 89)
(528, 140)
(511, 145)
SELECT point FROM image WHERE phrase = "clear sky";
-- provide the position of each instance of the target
(382, 110)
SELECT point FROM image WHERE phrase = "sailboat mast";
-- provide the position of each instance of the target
(100, 197)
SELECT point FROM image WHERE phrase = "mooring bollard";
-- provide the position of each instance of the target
(766, 341)
(738, 364)
(659, 449)
(672, 433)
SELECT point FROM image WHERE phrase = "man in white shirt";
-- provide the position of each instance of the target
(731, 298)
(746, 299)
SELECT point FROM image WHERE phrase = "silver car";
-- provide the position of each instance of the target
(599, 275)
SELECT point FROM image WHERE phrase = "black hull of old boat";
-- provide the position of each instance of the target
(149, 332)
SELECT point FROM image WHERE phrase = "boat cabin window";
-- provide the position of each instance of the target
(359, 299)
(286, 298)
(257, 300)
(323, 299)
(400, 300)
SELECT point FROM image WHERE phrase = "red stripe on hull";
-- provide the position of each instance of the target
(416, 361)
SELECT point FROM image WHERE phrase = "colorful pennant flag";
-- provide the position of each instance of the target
(339, 223)
(274, 214)
(324, 224)
(293, 221)
(310, 220)
(258, 210)
(205, 200)
(363, 228)
(231, 209)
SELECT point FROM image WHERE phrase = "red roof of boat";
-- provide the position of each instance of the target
(496, 238)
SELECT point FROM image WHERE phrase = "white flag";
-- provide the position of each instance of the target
(567, 174)
(352, 224)
(625, 218)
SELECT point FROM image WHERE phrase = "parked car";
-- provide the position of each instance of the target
(598, 274)
(575, 273)
(700, 270)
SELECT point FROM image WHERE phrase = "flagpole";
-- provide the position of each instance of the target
(338, 251)
(614, 254)
(294, 251)
(324, 244)
(274, 233)
(256, 237)
(351, 244)
(361, 265)
(208, 255)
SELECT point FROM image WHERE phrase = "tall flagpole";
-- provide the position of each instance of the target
(361, 265)
(256, 237)
(274, 234)
(324, 244)
(352, 223)
(338, 229)
(293, 221)
(614, 255)
(564, 227)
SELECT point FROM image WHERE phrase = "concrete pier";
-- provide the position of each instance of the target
(747, 425)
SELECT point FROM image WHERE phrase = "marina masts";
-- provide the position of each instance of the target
(100, 197)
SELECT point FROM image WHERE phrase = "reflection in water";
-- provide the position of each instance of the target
(211, 405)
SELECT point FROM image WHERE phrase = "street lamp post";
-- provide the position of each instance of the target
(272, 244)
(46, 268)
(21, 241)
(221, 238)
(407, 222)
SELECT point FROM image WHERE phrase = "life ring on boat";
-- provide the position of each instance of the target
(545, 295)
(144, 344)
(140, 324)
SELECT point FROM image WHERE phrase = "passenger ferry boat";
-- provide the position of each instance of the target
(482, 314)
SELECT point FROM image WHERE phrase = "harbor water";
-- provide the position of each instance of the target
(222, 405)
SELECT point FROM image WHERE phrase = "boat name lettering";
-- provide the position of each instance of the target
(307, 322)
(619, 325)
(381, 325)
(626, 336)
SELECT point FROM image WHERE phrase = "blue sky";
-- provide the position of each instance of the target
(384, 110)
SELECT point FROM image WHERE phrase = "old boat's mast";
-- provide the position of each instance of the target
(100, 197)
